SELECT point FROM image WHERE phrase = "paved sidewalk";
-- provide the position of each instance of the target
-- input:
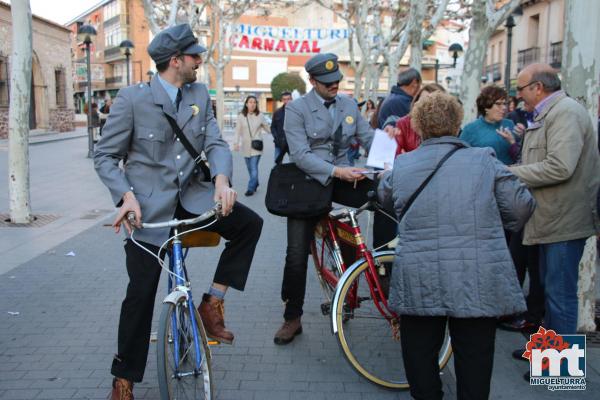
(61, 343)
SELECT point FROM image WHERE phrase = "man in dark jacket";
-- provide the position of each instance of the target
(277, 126)
(401, 96)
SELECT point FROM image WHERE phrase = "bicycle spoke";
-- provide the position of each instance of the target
(365, 335)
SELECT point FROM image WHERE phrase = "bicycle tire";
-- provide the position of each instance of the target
(379, 361)
(199, 384)
(330, 260)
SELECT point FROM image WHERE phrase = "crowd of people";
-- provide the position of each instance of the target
(511, 193)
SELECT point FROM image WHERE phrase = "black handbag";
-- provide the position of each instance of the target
(292, 193)
(256, 144)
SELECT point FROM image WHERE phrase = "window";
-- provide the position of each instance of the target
(111, 9)
(4, 100)
(112, 35)
(61, 93)
(241, 73)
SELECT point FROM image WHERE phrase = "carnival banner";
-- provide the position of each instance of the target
(288, 39)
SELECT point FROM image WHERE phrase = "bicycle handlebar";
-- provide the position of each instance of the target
(213, 212)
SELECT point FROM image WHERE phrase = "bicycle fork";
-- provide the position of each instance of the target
(180, 290)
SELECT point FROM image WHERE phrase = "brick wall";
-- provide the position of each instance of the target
(62, 119)
(3, 123)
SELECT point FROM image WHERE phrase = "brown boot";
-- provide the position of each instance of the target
(212, 313)
(288, 331)
(122, 389)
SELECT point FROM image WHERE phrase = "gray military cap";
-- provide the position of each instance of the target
(178, 39)
(324, 68)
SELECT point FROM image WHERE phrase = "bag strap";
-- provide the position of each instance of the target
(426, 181)
(190, 149)
(249, 130)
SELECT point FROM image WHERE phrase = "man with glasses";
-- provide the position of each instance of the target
(161, 180)
(319, 127)
(560, 164)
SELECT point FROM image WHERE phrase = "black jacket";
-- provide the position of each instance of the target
(277, 129)
(397, 103)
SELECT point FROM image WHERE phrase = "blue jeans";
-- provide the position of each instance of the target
(559, 272)
(252, 165)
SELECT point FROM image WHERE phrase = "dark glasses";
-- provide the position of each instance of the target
(330, 84)
(520, 88)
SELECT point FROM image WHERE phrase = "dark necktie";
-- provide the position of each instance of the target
(328, 103)
(178, 99)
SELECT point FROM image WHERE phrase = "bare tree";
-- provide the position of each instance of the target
(486, 19)
(580, 70)
(18, 114)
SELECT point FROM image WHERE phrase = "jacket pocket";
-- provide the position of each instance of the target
(150, 141)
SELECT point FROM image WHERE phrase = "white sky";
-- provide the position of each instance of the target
(59, 11)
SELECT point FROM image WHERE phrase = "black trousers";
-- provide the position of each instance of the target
(241, 229)
(300, 232)
(473, 345)
(526, 259)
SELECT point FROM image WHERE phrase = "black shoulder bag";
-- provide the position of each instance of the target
(256, 144)
(293, 193)
(190, 149)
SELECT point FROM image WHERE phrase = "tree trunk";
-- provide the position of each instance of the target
(18, 115)
(416, 34)
(473, 64)
(220, 96)
(581, 52)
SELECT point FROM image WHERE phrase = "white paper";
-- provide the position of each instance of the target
(382, 151)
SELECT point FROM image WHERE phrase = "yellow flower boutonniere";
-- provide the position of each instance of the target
(195, 109)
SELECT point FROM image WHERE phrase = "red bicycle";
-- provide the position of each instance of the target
(366, 329)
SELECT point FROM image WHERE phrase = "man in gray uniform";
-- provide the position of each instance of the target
(159, 181)
(319, 127)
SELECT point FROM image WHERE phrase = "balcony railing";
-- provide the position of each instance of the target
(556, 55)
(493, 72)
(527, 56)
(114, 79)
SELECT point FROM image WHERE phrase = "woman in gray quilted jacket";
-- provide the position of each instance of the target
(452, 264)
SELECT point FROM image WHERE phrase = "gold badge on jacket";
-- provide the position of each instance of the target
(195, 109)
(349, 120)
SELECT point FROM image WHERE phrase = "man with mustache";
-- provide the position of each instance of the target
(319, 128)
(161, 180)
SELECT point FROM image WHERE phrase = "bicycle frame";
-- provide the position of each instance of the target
(176, 265)
(337, 230)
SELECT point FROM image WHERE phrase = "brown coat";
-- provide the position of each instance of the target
(561, 166)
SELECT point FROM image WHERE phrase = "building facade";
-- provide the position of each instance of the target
(114, 21)
(51, 106)
(537, 37)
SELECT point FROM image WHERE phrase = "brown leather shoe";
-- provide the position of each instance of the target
(122, 389)
(288, 331)
(212, 313)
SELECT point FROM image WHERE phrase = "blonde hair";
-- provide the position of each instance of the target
(436, 115)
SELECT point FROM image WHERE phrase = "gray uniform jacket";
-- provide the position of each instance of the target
(159, 170)
(452, 258)
(309, 130)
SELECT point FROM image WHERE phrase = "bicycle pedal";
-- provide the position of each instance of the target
(212, 342)
(326, 308)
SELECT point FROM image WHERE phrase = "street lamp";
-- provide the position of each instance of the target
(455, 51)
(509, 25)
(126, 48)
(87, 34)
(150, 74)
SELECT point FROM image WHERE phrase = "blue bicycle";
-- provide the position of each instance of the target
(183, 352)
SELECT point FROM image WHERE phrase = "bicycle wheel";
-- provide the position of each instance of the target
(365, 336)
(324, 257)
(191, 378)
